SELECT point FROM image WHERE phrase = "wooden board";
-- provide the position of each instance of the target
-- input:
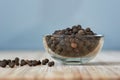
(106, 66)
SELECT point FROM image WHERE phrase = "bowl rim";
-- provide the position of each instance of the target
(97, 35)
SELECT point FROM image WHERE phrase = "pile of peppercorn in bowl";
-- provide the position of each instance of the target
(74, 45)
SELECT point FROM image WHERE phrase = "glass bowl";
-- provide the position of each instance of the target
(73, 50)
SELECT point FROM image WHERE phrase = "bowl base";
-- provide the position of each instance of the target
(73, 61)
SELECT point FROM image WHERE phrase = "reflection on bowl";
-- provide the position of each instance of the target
(73, 50)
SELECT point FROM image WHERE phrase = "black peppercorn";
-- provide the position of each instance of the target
(23, 62)
(50, 64)
(11, 64)
(30, 63)
(38, 62)
(44, 62)
(34, 63)
(3, 64)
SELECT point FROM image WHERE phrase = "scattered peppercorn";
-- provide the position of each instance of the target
(39, 62)
(34, 63)
(11, 64)
(44, 62)
(50, 64)
(30, 62)
(8, 61)
(3, 64)
(15, 62)
(23, 62)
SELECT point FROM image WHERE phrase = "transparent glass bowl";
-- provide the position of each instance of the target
(73, 50)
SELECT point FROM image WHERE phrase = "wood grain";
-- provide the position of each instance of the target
(106, 66)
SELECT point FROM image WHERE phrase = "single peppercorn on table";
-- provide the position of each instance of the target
(106, 66)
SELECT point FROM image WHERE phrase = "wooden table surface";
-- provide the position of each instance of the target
(106, 66)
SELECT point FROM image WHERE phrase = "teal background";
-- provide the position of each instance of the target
(24, 22)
